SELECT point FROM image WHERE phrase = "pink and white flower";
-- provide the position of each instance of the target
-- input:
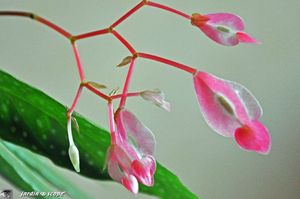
(224, 28)
(130, 158)
(232, 111)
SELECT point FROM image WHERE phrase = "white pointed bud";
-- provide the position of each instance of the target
(157, 97)
(74, 157)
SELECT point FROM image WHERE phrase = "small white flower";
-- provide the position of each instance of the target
(157, 97)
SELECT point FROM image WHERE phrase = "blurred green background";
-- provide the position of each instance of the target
(211, 166)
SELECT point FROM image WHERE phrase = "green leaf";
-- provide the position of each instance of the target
(31, 172)
(30, 118)
(17, 172)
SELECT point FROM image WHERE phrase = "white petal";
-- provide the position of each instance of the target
(251, 103)
(157, 97)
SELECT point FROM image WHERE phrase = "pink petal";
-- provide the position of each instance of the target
(120, 135)
(245, 38)
(253, 136)
(107, 157)
(123, 156)
(118, 172)
(130, 183)
(118, 162)
(139, 135)
(114, 170)
(220, 34)
(144, 170)
(222, 27)
(219, 103)
(229, 20)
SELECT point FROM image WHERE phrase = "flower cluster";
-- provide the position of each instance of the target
(229, 108)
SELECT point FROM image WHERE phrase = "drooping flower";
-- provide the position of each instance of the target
(130, 158)
(232, 111)
(224, 28)
(157, 97)
(140, 143)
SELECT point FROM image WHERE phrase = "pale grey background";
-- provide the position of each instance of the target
(210, 165)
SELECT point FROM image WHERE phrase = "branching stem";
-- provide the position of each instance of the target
(75, 101)
(172, 10)
(126, 84)
(37, 18)
(134, 94)
(74, 38)
(91, 34)
(127, 14)
(168, 62)
(78, 62)
(124, 42)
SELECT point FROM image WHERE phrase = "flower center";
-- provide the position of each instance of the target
(223, 29)
(224, 103)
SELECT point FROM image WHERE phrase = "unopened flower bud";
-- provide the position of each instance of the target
(125, 61)
(74, 157)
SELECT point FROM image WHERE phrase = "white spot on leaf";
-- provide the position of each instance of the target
(13, 129)
(24, 134)
(39, 123)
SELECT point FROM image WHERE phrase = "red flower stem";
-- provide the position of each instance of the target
(126, 84)
(78, 62)
(127, 14)
(123, 41)
(91, 34)
(112, 126)
(168, 62)
(128, 95)
(53, 26)
(39, 19)
(97, 92)
(75, 101)
(172, 10)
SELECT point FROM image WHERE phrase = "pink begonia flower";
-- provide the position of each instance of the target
(224, 28)
(232, 111)
(130, 159)
(119, 164)
(157, 97)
